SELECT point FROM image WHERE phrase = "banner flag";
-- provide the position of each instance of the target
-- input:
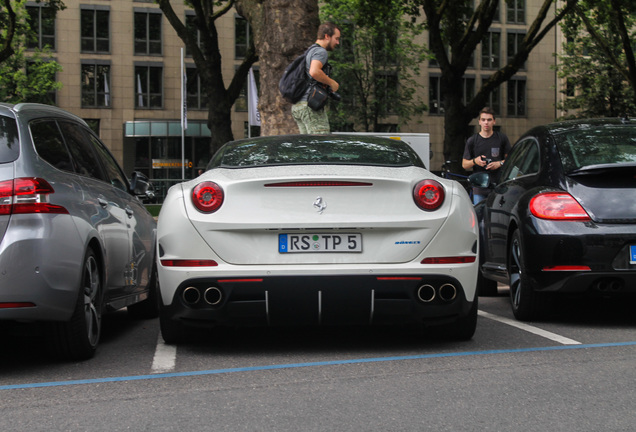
(252, 100)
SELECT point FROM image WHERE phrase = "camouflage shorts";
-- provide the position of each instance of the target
(310, 121)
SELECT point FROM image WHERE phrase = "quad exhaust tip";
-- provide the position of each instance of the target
(192, 296)
(213, 296)
(446, 292)
(426, 293)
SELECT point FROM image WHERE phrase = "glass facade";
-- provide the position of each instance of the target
(158, 147)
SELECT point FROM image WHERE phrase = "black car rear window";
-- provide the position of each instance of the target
(303, 150)
(590, 146)
(9, 140)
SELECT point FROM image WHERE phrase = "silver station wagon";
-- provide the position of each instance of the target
(75, 241)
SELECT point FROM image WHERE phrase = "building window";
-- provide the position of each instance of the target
(516, 11)
(517, 97)
(384, 52)
(191, 27)
(241, 37)
(149, 85)
(494, 99)
(95, 85)
(95, 30)
(514, 40)
(93, 124)
(435, 97)
(196, 96)
(497, 17)
(147, 33)
(570, 88)
(468, 90)
(491, 50)
(42, 23)
(386, 90)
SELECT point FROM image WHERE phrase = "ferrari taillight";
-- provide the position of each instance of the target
(557, 206)
(207, 197)
(27, 195)
(428, 195)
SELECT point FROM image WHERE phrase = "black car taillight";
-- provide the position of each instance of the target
(27, 195)
(428, 195)
(557, 206)
(207, 197)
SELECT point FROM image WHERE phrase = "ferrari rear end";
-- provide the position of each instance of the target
(341, 237)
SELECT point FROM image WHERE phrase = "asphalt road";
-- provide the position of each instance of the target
(575, 371)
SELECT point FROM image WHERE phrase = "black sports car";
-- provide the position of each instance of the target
(562, 218)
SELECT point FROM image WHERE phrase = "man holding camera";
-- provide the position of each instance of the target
(308, 120)
(486, 151)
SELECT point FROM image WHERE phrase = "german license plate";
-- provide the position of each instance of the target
(297, 243)
(632, 254)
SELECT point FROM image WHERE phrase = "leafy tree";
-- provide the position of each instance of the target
(202, 41)
(25, 76)
(455, 29)
(599, 59)
(376, 63)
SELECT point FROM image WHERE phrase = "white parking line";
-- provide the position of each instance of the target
(531, 329)
(165, 357)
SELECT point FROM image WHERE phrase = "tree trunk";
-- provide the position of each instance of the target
(281, 30)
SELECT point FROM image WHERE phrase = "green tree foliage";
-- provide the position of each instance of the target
(375, 65)
(25, 75)
(599, 61)
(455, 28)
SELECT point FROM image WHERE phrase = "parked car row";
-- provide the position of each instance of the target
(306, 230)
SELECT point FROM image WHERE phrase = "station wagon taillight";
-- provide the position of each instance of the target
(27, 195)
(207, 196)
(428, 194)
(557, 206)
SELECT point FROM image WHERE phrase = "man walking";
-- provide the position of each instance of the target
(308, 120)
(485, 151)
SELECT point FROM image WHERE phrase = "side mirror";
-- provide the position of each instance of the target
(480, 179)
(141, 187)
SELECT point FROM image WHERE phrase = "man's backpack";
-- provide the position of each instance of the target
(294, 82)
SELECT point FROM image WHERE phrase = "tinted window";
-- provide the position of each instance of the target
(589, 146)
(9, 140)
(530, 160)
(318, 151)
(50, 145)
(515, 161)
(84, 158)
(113, 172)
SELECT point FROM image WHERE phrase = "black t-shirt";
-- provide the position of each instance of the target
(495, 147)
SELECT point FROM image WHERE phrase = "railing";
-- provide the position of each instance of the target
(161, 187)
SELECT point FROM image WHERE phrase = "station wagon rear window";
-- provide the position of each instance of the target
(304, 150)
(9, 140)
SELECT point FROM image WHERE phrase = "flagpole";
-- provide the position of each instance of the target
(183, 126)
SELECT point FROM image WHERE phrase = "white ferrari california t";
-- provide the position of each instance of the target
(317, 230)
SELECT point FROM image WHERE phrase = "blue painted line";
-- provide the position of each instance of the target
(310, 364)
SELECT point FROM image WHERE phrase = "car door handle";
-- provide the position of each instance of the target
(130, 212)
(502, 201)
(102, 202)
